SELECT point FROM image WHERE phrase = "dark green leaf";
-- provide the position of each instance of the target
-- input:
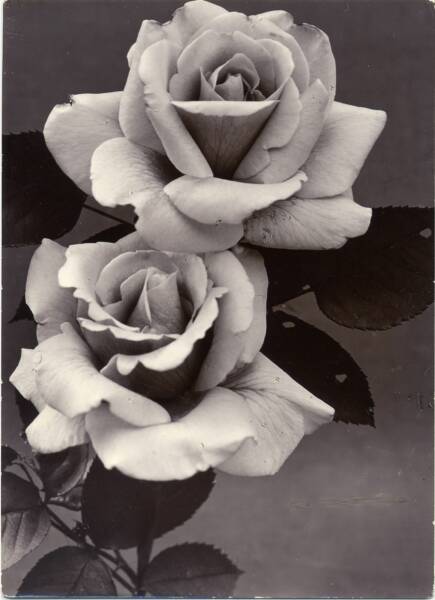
(61, 471)
(68, 571)
(25, 521)
(8, 456)
(113, 234)
(178, 500)
(191, 570)
(321, 365)
(119, 511)
(39, 200)
(22, 312)
(375, 281)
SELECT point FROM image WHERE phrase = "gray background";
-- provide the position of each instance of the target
(350, 514)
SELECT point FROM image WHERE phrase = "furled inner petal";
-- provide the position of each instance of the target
(225, 130)
(130, 290)
(211, 50)
(232, 88)
(121, 267)
(238, 64)
(166, 309)
(171, 356)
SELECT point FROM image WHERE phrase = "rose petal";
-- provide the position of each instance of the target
(167, 313)
(347, 137)
(281, 18)
(64, 369)
(106, 340)
(173, 355)
(214, 200)
(303, 224)
(317, 50)
(261, 28)
(51, 431)
(189, 18)
(284, 161)
(130, 290)
(50, 304)
(232, 88)
(157, 65)
(282, 411)
(204, 438)
(212, 49)
(277, 132)
(237, 64)
(192, 281)
(23, 379)
(133, 117)
(166, 386)
(236, 312)
(81, 270)
(73, 131)
(127, 174)
(226, 130)
(117, 270)
(253, 337)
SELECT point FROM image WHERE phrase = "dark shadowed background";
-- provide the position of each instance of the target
(350, 514)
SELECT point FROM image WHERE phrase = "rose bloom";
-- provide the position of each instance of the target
(154, 357)
(226, 129)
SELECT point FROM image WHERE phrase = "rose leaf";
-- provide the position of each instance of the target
(8, 457)
(112, 234)
(68, 571)
(191, 570)
(375, 281)
(39, 200)
(118, 511)
(321, 365)
(179, 500)
(25, 521)
(61, 471)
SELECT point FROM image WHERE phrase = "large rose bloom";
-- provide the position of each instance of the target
(226, 129)
(154, 357)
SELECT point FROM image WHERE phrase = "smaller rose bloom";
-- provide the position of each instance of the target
(154, 358)
(226, 129)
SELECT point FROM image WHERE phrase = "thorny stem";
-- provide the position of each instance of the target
(119, 564)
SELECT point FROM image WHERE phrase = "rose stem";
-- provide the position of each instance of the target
(63, 528)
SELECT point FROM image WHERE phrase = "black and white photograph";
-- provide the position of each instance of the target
(217, 299)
